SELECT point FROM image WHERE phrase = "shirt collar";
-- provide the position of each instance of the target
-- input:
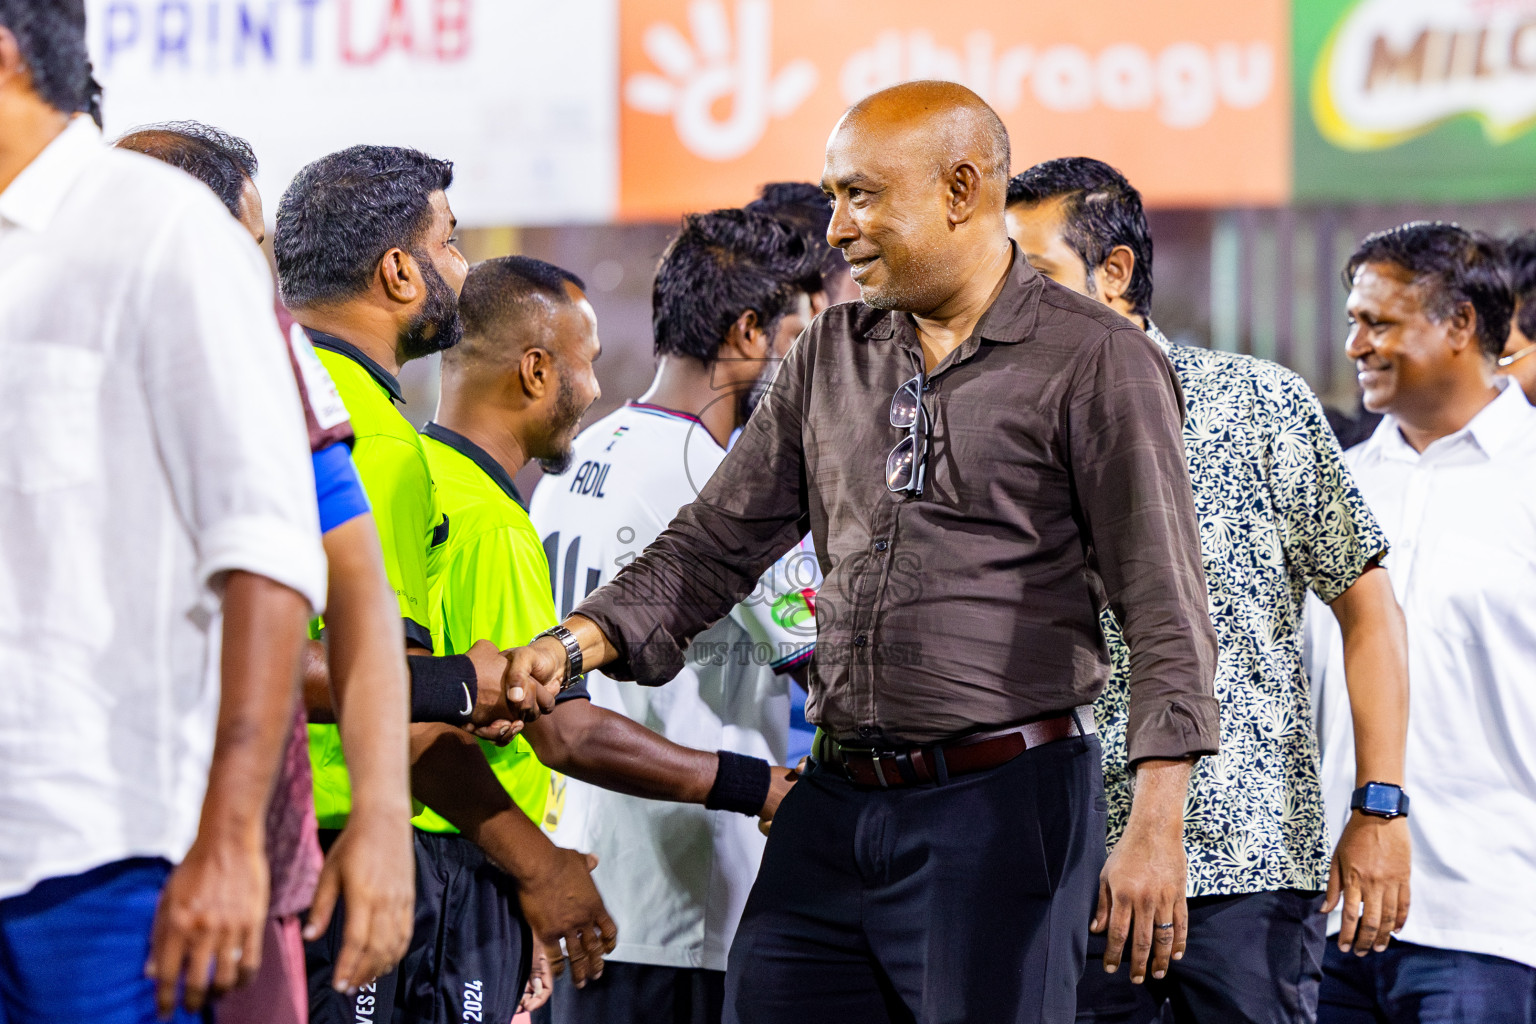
(388, 381)
(1158, 336)
(1501, 422)
(1011, 317)
(35, 195)
(479, 456)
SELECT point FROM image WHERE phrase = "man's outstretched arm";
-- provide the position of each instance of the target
(603, 748)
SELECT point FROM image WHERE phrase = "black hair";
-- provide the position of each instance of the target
(51, 37)
(343, 212)
(222, 161)
(1453, 266)
(804, 206)
(722, 264)
(1102, 211)
(499, 293)
(1520, 261)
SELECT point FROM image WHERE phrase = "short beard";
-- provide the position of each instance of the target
(753, 395)
(563, 426)
(436, 326)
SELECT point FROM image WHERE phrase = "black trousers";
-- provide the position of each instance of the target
(1254, 958)
(639, 994)
(966, 902)
(469, 954)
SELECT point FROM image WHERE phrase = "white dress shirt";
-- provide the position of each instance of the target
(1461, 518)
(153, 442)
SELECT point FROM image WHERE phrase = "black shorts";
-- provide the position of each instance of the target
(468, 959)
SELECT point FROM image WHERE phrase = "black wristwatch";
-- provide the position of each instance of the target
(1381, 799)
(573, 658)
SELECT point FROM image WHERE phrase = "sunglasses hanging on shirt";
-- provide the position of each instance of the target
(907, 464)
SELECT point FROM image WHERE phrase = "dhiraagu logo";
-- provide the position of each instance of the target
(719, 85)
(1392, 70)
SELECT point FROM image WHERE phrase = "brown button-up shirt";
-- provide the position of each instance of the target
(1056, 484)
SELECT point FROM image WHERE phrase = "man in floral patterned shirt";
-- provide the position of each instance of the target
(1279, 515)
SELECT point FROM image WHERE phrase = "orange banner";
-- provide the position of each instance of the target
(1191, 101)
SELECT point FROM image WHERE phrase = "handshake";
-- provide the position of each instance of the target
(514, 687)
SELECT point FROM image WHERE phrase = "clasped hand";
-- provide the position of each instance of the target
(515, 687)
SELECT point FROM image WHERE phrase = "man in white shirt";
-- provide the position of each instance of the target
(731, 295)
(1451, 474)
(157, 519)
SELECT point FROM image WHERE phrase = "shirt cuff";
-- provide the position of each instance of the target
(1174, 728)
(651, 661)
(266, 546)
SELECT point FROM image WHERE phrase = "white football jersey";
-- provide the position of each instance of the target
(675, 877)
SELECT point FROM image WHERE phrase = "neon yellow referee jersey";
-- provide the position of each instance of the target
(389, 459)
(491, 583)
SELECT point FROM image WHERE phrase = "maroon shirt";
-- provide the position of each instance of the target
(293, 850)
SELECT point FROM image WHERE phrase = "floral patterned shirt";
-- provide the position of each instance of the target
(1279, 514)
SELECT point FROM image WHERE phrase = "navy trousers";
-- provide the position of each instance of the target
(1412, 984)
(957, 903)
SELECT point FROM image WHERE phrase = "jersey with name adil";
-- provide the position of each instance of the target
(675, 877)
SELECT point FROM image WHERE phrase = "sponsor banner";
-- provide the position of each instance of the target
(1192, 101)
(1415, 99)
(518, 93)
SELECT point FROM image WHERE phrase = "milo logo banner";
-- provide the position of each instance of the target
(1414, 99)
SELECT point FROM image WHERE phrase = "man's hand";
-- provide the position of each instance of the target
(561, 902)
(493, 718)
(1370, 871)
(372, 867)
(541, 982)
(209, 923)
(1141, 889)
(783, 780)
(535, 674)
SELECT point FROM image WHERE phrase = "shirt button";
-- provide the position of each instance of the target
(881, 545)
(860, 640)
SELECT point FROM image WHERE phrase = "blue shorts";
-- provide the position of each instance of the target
(73, 949)
(337, 487)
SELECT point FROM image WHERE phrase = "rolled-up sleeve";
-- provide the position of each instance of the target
(228, 424)
(711, 555)
(1132, 483)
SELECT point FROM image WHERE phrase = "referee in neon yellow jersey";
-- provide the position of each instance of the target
(368, 266)
(514, 390)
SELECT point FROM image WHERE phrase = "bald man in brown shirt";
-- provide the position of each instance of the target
(984, 460)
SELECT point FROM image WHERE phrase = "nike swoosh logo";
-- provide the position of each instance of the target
(469, 702)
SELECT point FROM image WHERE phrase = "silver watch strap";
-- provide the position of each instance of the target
(573, 658)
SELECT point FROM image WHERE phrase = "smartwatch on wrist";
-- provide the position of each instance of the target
(573, 658)
(1380, 799)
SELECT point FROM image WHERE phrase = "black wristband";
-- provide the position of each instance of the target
(442, 689)
(741, 784)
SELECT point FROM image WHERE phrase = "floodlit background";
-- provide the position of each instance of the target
(1267, 136)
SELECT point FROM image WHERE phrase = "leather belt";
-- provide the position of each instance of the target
(938, 762)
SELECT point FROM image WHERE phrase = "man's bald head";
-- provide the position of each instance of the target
(943, 121)
(918, 176)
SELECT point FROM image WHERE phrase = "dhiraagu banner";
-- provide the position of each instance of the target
(1429, 100)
